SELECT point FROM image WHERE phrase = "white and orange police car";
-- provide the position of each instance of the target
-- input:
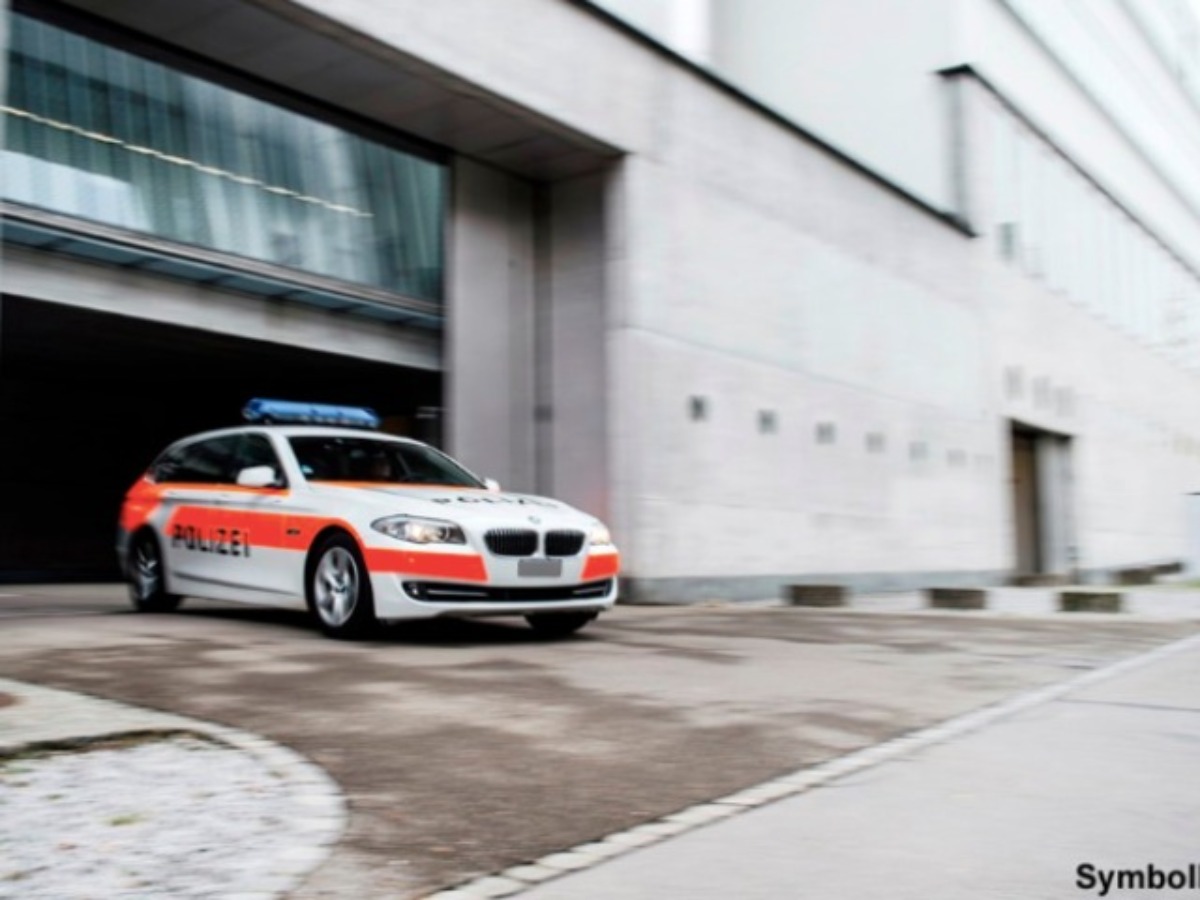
(304, 508)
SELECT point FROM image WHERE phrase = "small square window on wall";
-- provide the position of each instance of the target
(918, 450)
(767, 421)
(1042, 391)
(876, 442)
(1014, 382)
(698, 408)
(957, 458)
(826, 433)
(1006, 237)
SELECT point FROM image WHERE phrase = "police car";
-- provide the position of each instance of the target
(303, 508)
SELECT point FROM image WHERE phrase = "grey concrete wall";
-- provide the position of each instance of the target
(575, 388)
(1058, 364)
(56, 279)
(766, 278)
(743, 266)
(490, 388)
(527, 381)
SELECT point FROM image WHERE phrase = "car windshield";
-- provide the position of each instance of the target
(333, 458)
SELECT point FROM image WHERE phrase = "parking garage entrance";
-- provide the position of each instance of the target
(87, 399)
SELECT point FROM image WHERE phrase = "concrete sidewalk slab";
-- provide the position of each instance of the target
(41, 720)
(40, 716)
(1045, 803)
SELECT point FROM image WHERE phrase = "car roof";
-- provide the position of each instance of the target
(296, 431)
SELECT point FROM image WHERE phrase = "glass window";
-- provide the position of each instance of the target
(388, 462)
(203, 462)
(256, 450)
(101, 134)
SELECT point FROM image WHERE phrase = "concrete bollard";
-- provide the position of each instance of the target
(1090, 601)
(1045, 580)
(957, 598)
(1135, 576)
(822, 595)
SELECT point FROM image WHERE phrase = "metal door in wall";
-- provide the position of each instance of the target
(1026, 520)
(1043, 502)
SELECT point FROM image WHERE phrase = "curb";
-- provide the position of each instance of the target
(516, 879)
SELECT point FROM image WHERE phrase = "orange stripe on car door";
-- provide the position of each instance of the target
(263, 526)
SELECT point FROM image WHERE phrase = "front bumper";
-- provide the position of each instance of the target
(400, 596)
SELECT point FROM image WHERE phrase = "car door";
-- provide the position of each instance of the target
(196, 497)
(258, 554)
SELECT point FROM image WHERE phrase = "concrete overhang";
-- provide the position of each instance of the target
(302, 52)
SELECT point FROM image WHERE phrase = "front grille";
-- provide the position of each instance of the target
(467, 593)
(563, 543)
(512, 541)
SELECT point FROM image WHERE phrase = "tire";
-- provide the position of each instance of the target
(147, 576)
(556, 625)
(338, 589)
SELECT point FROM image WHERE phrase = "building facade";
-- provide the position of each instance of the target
(781, 297)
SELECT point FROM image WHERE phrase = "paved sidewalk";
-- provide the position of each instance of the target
(40, 716)
(36, 719)
(1100, 775)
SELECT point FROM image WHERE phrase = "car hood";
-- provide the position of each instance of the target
(458, 504)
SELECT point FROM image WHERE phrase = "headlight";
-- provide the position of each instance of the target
(599, 536)
(420, 531)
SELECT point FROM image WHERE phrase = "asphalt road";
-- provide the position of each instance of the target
(467, 748)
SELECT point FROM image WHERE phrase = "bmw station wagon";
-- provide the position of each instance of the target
(303, 508)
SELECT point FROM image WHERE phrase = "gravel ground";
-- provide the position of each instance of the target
(178, 817)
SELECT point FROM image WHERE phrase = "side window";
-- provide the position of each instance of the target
(319, 458)
(166, 466)
(204, 462)
(256, 450)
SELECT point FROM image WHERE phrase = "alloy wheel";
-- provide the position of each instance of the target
(335, 586)
(147, 569)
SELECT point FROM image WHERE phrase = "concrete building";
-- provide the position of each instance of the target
(784, 291)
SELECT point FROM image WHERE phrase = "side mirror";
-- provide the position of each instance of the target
(492, 485)
(258, 477)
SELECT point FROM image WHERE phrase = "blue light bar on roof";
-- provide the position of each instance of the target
(267, 412)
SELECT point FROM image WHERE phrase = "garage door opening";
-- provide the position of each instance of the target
(87, 399)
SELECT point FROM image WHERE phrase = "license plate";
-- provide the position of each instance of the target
(539, 568)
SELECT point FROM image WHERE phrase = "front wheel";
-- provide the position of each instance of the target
(147, 577)
(554, 625)
(338, 589)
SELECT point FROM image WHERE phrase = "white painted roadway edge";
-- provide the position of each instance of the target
(320, 829)
(516, 879)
